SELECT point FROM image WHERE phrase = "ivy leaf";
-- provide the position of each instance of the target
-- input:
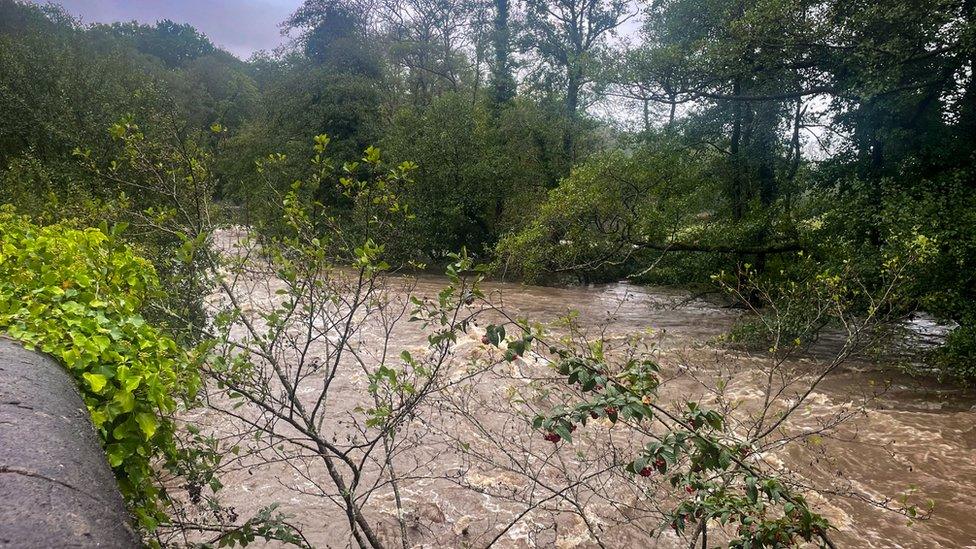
(95, 381)
(116, 454)
(147, 423)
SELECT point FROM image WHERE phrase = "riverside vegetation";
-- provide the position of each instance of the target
(225, 254)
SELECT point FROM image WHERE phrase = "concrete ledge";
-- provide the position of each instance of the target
(56, 488)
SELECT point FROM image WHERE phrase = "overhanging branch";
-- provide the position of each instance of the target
(721, 249)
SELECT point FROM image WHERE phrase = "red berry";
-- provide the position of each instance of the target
(552, 437)
(593, 414)
(485, 340)
(646, 472)
(610, 410)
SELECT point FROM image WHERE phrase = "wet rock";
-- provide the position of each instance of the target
(464, 526)
(428, 512)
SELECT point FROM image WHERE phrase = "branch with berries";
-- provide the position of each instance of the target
(703, 463)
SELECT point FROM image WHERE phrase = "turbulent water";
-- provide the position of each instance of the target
(911, 437)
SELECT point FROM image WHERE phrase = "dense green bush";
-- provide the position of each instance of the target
(958, 357)
(609, 215)
(78, 295)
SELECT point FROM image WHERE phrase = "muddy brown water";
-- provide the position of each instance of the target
(916, 437)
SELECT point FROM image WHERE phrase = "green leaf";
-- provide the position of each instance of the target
(147, 423)
(95, 381)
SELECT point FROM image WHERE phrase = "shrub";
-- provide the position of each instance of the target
(78, 295)
(957, 358)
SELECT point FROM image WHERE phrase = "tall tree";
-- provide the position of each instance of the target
(654, 77)
(567, 37)
(502, 79)
(176, 44)
(335, 34)
(432, 44)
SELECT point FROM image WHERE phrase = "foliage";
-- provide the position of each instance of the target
(828, 127)
(79, 295)
(175, 44)
(945, 211)
(172, 187)
(957, 357)
(299, 103)
(463, 184)
(695, 454)
(42, 191)
(611, 213)
(64, 83)
(456, 188)
(570, 39)
(790, 311)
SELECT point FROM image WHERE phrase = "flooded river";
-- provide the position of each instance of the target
(899, 437)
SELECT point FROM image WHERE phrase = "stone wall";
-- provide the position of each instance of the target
(56, 488)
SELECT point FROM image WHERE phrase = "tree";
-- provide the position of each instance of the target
(655, 78)
(435, 45)
(175, 44)
(502, 79)
(903, 99)
(335, 34)
(569, 36)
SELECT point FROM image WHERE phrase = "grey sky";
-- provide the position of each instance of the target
(239, 26)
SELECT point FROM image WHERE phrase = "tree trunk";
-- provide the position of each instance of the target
(735, 186)
(574, 84)
(503, 83)
(647, 115)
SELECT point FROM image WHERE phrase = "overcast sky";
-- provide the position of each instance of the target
(241, 27)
